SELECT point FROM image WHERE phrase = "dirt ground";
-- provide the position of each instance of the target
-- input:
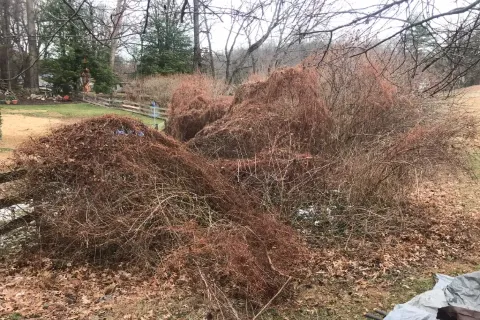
(34, 119)
(17, 128)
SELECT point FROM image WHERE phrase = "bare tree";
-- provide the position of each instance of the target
(5, 50)
(117, 18)
(258, 22)
(237, 24)
(282, 26)
(197, 52)
(253, 59)
(303, 16)
(450, 52)
(31, 76)
(208, 33)
(277, 16)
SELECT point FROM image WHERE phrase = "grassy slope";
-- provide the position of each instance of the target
(77, 110)
(62, 111)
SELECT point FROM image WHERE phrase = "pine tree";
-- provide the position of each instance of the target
(167, 48)
(419, 40)
(73, 50)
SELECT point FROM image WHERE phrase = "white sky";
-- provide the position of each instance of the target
(220, 30)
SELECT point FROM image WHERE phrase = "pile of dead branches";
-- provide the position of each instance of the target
(340, 145)
(112, 189)
(196, 102)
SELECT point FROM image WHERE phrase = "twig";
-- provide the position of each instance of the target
(348, 239)
(209, 296)
(146, 17)
(235, 313)
(273, 298)
(48, 43)
(84, 24)
(274, 268)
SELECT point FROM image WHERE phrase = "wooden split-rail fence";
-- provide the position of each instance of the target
(158, 112)
(7, 202)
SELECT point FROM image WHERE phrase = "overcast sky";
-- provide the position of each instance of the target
(220, 30)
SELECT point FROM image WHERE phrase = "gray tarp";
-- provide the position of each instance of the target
(462, 291)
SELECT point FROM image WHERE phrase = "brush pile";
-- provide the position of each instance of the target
(336, 150)
(284, 111)
(195, 103)
(112, 189)
(340, 140)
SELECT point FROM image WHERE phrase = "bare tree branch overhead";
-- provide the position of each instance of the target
(85, 24)
(395, 25)
(262, 35)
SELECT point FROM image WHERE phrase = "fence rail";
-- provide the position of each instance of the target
(130, 106)
(12, 175)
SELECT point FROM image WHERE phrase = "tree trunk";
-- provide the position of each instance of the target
(5, 44)
(254, 62)
(197, 54)
(168, 38)
(254, 46)
(31, 76)
(116, 28)
(210, 51)
(228, 61)
(250, 50)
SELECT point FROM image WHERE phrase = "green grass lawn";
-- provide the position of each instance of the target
(74, 110)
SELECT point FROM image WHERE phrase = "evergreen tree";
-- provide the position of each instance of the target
(167, 47)
(73, 50)
(419, 40)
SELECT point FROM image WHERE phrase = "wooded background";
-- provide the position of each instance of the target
(57, 39)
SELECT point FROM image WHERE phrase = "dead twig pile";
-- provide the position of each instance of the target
(285, 110)
(111, 189)
(339, 147)
(195, 104)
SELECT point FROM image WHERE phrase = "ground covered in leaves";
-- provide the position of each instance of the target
(339, 286)
(344, 277)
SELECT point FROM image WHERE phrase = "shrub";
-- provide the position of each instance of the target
(159, 88)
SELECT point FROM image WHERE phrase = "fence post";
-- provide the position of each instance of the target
(154, 107)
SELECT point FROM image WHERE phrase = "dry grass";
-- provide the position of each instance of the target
(161, 88)
(18, 128)
(193, 100)
(158, 88)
